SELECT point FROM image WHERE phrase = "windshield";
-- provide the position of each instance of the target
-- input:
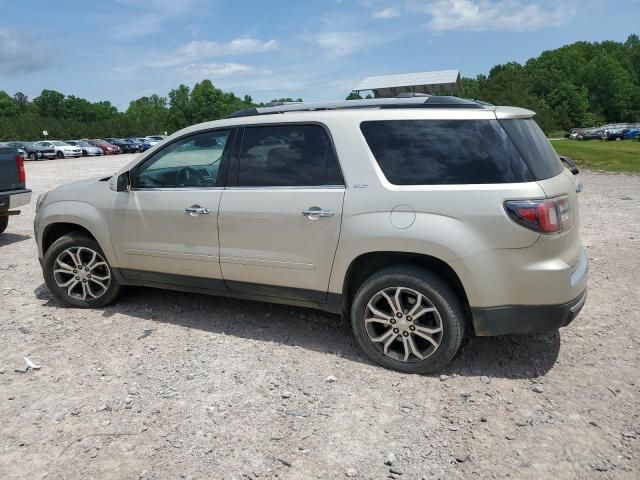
(59, 144)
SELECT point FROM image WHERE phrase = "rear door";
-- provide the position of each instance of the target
(165, 228)
(281, 213)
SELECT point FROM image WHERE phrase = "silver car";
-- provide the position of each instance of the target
(419, 219)
(88, 150)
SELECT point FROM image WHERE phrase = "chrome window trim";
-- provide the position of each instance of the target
(301, 187)
(176, 189)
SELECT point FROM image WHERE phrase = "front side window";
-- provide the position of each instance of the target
(190, 162)
(444, 152)
(287, 156)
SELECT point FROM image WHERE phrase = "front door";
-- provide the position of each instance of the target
(280, 216)
(165, 228)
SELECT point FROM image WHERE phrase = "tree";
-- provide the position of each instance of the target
(286, 100)
(147, 115)
(8, 106)
(50, 104)
(179, 115)
(22, 100)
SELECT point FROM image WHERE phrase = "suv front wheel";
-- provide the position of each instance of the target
(77, 273)
(408, 319)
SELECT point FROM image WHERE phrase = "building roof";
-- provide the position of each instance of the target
(408, 80)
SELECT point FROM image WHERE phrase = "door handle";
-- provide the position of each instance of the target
(195, 210)
(317, 212)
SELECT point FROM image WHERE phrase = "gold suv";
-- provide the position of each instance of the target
(418, 218)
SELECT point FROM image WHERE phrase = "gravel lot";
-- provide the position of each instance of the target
(175, 385)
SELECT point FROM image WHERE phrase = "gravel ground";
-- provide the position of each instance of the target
(174, 385)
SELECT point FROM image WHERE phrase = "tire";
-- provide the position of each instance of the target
(33, 156)
(436, 294)
(4, 221)
(59, 154)
(84, 153)
(55, 277)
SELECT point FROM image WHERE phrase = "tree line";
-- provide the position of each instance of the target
(582, 84)
(579, 85)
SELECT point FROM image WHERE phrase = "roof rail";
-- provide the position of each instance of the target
(402, 102)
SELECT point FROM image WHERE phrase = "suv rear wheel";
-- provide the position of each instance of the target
(76, 272)
(4, 221)
(408, 319)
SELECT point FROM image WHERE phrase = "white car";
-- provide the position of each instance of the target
(62, 149)
(149, 140)
(86, 148)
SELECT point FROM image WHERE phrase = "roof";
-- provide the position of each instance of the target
(422, 101)
(408, 80)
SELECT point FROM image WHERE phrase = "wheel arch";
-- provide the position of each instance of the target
(62, 218)
(54, 231)
(366, 264)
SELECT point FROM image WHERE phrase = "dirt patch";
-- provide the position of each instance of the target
(174, 385)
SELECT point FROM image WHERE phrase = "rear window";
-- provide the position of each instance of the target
(435, 152)
(534, 147)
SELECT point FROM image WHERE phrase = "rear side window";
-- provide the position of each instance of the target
(534, 147)
(287, 155)
(434, 152)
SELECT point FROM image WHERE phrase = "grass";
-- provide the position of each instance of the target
(622, 156)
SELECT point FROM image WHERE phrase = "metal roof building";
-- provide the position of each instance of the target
(441, 82)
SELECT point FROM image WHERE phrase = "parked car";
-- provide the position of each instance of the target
(125, 147)
(13, 191)
(87, 149)
(146, 143)
(574, 133)
(34, 152)
(106, 147)
(159, 138)
(62, 149)
(136, 144)
(591, 134)
(417, 223)
(613, 134)
(632, 133)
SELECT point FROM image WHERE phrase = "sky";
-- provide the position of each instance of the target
(120, 50)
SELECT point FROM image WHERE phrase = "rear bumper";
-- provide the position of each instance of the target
(519, 319)
(13, 199)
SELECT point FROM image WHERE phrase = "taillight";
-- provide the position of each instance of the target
(545, 216)
(22, 175)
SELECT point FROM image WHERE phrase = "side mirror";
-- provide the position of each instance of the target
(570, 164)
(121, 183)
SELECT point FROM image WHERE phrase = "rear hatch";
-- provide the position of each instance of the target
(9, 173)
(555, 181)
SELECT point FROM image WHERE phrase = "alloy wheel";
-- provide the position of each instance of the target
(82, 273)
(403, 324)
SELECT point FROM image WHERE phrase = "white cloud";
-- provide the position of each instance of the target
(386, 13)
(19, 53)
(239, 46)
(199, 50)
(482, 15)
(201, 70)
(343, 43)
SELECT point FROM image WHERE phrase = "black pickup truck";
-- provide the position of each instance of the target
(13, 191)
